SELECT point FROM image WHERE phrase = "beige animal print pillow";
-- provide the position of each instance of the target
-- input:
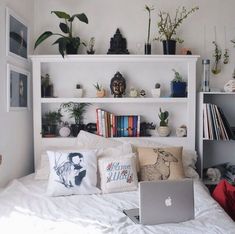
(160, 163)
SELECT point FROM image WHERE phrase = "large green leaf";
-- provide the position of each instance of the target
(62, 41)
(61, 15)
(64, 28)
(76, 42)
(42, 38)
(82, 17)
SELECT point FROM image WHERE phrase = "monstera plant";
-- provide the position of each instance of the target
(67, 42)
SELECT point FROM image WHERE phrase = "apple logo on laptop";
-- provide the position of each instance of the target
(168, 202)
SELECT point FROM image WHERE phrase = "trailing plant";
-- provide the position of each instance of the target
(76, 110)
(167, 26)
(217, 55)
(163, 116)
(98, 86)
(178, 77)
(149, 9)
(226, 56)
(67, 28)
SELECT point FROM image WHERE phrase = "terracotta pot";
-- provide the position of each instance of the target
(163, 131)
(100, 93)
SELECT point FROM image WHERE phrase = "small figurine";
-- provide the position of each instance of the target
(91, 46)
(118, 44)
(230, 86)
(118, 85)
(142, 93)
(133, 92)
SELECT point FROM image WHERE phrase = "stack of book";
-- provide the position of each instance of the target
(215, 124)
(110, 125)
(230, 173)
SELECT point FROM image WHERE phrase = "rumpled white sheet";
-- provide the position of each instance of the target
(25, 208)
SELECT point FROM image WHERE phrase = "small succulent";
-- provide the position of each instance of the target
(157, 86)
(98, 86)
(163, 116)
(178, 77)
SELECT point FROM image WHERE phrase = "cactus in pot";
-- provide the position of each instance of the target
(163, 129)
(156, 92)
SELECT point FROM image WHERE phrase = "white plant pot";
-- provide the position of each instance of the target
(156, 93)
(78, 93)
(163, 131)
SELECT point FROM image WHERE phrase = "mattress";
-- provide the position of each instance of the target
(25, 208)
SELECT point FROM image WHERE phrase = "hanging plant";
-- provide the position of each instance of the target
(217, 55)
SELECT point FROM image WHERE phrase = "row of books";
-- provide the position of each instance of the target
(110, 125)
(215, 124)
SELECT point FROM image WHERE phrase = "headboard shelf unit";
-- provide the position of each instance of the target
(140, 72)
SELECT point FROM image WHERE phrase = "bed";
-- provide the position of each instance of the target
(25, 207)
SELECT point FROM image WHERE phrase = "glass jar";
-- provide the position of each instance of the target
(205, 75)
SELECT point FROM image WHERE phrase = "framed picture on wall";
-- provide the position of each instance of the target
(18, 83)
(17, 35)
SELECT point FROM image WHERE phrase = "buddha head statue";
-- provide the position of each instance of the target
(118, 85)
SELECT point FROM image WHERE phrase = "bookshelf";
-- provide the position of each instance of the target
(211, 151)
(140, 71)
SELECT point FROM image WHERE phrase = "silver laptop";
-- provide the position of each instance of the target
(164, 202)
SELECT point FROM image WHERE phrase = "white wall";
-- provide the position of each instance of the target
(106, 15)
(16, 144)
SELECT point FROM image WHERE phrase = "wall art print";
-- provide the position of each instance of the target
(18, 82)
(17, 35)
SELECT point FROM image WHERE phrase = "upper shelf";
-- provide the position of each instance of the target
(114, 58)
(115, 100)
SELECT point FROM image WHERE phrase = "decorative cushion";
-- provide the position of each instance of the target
(160, 163)
(118, 174)
(73, 172)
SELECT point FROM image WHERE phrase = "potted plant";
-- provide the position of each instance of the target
(178, 86)
(79, 91)
(46, 86)
(100, 91)
(50, 122)
(67, 43)
(163, 129)
(167, 28)
(157, 91)
(76, 111)
(147, 46)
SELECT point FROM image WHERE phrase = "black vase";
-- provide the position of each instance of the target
(147, 48)
(169, 46)
(76, 128)
(71, 49)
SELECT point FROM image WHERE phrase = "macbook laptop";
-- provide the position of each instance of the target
(164, 202)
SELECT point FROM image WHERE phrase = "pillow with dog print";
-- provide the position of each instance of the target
(72, 173)
(160, 163)
(118, 174)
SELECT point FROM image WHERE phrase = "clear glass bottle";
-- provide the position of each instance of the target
(205, 75)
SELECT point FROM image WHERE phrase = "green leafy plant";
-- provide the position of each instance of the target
(149, 9)
(217, 55)
(163, 116)
(52, 117)
(67, 40)
(178, 77)
(45, 80)
(98, 86)
(76, 110)
(167, 26)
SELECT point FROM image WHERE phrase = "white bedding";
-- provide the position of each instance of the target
(24, 208)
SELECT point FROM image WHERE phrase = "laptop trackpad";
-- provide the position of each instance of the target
(133, 214)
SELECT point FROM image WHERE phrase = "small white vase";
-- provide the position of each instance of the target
(163, 131)
(78, 93)
(156, 92)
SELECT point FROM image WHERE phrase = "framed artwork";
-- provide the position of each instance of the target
(18, 82)
(17, 35)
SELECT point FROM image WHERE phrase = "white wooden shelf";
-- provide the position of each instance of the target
(115, 100)
(217, 93)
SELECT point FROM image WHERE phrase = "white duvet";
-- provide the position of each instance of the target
(24, 208)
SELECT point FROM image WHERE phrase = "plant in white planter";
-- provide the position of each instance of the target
(79, 91)
(163, 129)
(157, 91)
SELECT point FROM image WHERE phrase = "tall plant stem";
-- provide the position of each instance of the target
(149, 24)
